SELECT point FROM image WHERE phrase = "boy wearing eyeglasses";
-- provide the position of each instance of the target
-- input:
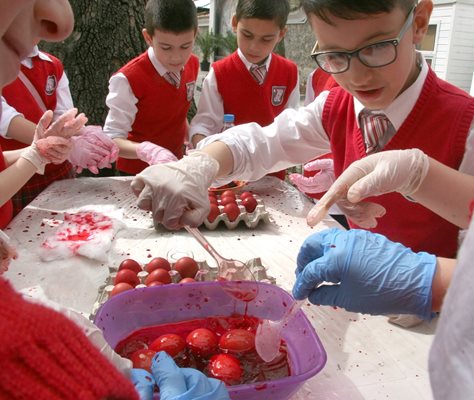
(389, 98)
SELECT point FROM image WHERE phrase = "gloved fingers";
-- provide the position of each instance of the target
(311, 276)
(326, 295)
(195, 217)
(312, 184)
(42, 126)
(364, 214)
(145, 199)
(200, 387)
(320, 164)
(93, 169)
(55, 149)
(137, 185)
(367, 186)
(72, 127)
(168, 376)
(334, 194)
(144, 383)
(57, 128)
(311, 249)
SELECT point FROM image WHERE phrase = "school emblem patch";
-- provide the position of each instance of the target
(278, 94)
(51, 84)
(190, 90)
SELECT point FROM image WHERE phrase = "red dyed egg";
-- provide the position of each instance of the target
(232, 210)
(131, 265)
(142, 358)
(172, 343)
(250, 204)
(187, 267)
(160, 275)
(237, 341)
(120, 288)
(225, 367)
(202, 342)
(127, 276)
(158, 262)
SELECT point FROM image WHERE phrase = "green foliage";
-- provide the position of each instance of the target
(208, 43)
(229, 42)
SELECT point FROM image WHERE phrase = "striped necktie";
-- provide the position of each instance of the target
(259, 73)
(375, 126)
(173, 78)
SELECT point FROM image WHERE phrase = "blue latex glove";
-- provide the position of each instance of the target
(176, 383)
(373, 275)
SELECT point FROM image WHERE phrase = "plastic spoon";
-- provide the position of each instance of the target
(231, 273)
(268, 336)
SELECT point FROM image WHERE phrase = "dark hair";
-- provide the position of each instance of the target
(276, 10)
(352, 9)
(170, 16)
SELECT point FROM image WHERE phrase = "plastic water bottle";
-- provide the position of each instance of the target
(228, 121)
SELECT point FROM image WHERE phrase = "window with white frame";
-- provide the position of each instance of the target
(429, 42)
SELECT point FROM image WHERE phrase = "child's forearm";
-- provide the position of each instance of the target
(127, 148)
(447, 192)
(441, 281)
(14, 177)
(21, 129)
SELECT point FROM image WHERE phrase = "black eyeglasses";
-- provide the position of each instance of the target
(374, 55)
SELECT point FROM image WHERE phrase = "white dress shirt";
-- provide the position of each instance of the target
(122, 101)
(210, 111)
(63, 95)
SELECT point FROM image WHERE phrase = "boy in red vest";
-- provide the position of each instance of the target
(370, 49)
(150, 96)
(43, 85)
(232, 86)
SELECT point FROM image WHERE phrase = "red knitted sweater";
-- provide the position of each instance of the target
(46, 356)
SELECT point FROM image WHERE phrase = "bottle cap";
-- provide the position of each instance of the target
(229, 118)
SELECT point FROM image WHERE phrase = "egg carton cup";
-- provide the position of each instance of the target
(251, 220)
(205, 273)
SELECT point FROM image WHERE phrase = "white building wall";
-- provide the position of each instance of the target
(442, 16)
(461, 56)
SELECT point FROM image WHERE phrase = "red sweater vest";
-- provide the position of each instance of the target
(6, 210)
(322, 81)
(438, 125)
(162, 108)
(245, 98)
(44, 76)
(249, 101)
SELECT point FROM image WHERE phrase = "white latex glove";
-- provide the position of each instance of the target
(400, 171)
(7, 252)
(318, 183)
(67, 125)
(93, 150)
(52, 149)
(153, 154)
(176, 192)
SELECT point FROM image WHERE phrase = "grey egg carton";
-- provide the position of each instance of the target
(205, 273)
(251, 220)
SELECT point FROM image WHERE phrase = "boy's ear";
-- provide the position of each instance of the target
(234, 23)
(147, 37)
(282, 33)
(422, 18)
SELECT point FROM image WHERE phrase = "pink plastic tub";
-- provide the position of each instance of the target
(138, 308)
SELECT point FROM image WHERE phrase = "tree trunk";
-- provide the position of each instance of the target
(106, 36)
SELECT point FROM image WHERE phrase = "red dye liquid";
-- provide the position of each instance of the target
(254, 369)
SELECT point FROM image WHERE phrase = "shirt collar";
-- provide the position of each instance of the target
(248, 64)
(28, 62)
(399, 109)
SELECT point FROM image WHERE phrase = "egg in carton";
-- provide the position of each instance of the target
(250, 219)
(204, 273)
